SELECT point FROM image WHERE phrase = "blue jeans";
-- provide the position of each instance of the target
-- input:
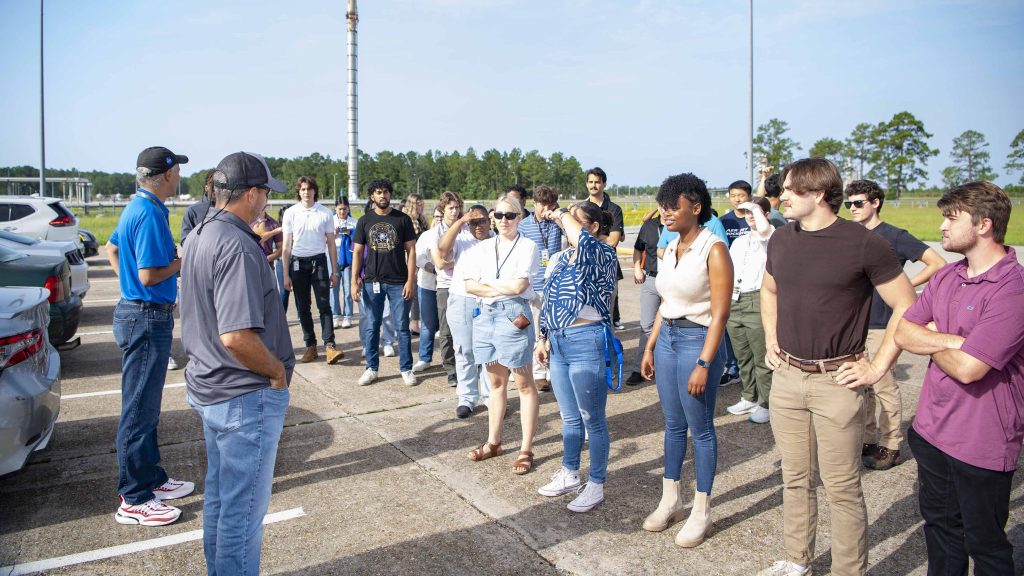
(375, 317)
(279, 268)
(241, 448)
(428, 316)
(342, 306)
(144, 335)
(387, 331)
(675, 357)
(578, 379)
(460, 321)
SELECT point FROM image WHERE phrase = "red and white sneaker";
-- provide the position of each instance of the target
(152, 513)
(173, 489)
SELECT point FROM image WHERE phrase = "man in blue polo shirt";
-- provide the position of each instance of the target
(142, 253)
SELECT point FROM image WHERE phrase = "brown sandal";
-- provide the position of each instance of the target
(523, 463)
(484, 452)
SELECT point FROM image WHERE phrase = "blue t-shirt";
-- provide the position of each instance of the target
(714, 224)
(143, 239)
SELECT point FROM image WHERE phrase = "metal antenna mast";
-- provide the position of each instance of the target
(353, 106)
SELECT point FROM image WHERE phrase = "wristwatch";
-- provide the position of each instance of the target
(703, 363)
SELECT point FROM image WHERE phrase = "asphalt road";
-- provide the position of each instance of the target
(375, 480)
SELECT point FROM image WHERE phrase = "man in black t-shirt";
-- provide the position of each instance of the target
(596, 182)
(882, 436)
(736, 226)
(645, 270)
(384, 266)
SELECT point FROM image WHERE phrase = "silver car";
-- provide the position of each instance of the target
(29, 376)
(67, 250)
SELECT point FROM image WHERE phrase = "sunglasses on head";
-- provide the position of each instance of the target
(857, 203)
(506, 215)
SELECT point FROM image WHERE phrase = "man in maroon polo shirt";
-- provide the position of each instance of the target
(966, 436)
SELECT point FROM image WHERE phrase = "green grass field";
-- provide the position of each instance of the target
(920, 217)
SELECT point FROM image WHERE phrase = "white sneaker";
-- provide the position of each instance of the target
(337, 321)
(409, 378)
(389, 350)
(346, 322)
(173, 489)
(367, 377)
(744, 406)
(590, 495)
(172, 364)
(785, 568)
(421, 366)
(760, 415)
(152, 513)
(562, 482)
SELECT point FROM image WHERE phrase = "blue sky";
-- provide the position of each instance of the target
(644, 89)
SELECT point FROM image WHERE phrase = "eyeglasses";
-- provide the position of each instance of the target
(478, 222)
(857, 203)
(506, 215)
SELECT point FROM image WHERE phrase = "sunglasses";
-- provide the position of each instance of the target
(857, 203)
(478, 221)
(506, 215)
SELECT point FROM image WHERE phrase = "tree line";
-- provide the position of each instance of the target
(892, 152)
(471, 174)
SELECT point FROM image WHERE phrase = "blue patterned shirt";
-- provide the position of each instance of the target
(589, 281)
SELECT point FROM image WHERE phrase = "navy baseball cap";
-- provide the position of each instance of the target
(158, 160)
(246, 169)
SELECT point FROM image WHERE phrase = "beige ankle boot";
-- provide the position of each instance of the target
(670, 509)
(698, 524)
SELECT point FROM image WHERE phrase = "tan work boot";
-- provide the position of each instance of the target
(309, 355)
(698, 524)
(333, 354)
(670, 509)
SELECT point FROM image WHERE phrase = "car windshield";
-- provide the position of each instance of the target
(8, 255)
(23, 240)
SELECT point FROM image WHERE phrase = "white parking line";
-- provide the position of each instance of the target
(97, 333)
(125, 549)
(103, 280)
(111, 392)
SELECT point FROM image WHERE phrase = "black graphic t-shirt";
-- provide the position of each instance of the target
(385, 238)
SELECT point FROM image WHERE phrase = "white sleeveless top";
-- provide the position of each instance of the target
(685, 289)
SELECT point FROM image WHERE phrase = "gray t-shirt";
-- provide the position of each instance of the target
(226, 286)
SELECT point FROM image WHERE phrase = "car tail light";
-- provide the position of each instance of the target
(20, 347)
(55, 285)
(62, 221)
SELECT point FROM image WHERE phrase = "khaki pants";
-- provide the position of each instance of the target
(818, 426)
(886, 429)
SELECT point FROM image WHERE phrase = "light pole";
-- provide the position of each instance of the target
(42, 119)
(750, 108)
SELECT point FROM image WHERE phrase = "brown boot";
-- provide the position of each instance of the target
(309, 355)
(333, 354)
(543, 385)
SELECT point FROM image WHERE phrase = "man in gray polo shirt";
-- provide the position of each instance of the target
(240, 362)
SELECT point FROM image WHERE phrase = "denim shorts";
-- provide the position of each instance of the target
(496, 339)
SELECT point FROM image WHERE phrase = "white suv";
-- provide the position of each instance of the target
(42, 218)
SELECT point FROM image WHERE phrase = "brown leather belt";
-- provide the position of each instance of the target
(820, 366)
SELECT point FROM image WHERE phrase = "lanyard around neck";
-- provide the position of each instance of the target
(497, 273)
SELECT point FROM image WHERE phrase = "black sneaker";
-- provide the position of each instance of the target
(463, 411)
(882, 459)
(728, 379)
(634, 379)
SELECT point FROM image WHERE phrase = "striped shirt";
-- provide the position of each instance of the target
(589, 281)
(548, 238)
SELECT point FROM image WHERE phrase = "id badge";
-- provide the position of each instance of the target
(295, 265)
(545, 255)
(375, 287)
(736, 294)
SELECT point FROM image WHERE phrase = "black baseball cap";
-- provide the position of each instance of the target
(247, 169)
(159, 159)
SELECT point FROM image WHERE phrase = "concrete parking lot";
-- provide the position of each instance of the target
(375, 480)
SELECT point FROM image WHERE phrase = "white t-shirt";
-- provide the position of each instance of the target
(308, 228)
(686, 289)
(749, 254)
(425, 279)
(349, 222)
(463, 242)
(510, 259)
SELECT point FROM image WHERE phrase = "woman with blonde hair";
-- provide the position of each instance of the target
(497, 272)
